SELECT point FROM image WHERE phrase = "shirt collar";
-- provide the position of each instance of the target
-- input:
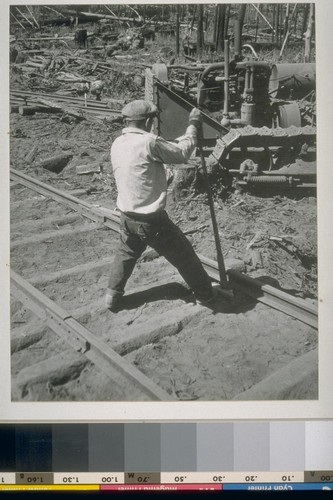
(133, 130)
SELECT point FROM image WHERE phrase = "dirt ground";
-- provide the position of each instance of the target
(215, 354)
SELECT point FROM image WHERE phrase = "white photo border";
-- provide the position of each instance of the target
(25, 412)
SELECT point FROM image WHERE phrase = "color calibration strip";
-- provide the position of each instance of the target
(167, 456)
(112, 481)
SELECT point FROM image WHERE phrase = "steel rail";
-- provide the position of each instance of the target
(90, 110)
(271, 296)
(267, 294)
(84, 341)
(69, 102)
(92, 106)
(96, 214)
(79, 100)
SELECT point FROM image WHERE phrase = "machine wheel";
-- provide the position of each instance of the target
(287, 115)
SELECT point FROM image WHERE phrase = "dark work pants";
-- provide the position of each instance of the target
(160, 233)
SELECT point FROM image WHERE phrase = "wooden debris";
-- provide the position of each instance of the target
(196, 229)
(255, 240)
(88, 169)
(256, 259)
(31, 155)
(34, 64)
(79, 192)
(32, 51)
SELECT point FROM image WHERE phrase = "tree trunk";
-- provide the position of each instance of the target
(280, 20)
(308, 35)
(206, 22)
(177, 29)
(277, 18)
(305, 19)
(219, 42)
(193, 18)
(257, 22)
(215, 24)
(241, 15)
(36, 11)
(200, 40)
(286, 21)
(226, 20)
(295, 21)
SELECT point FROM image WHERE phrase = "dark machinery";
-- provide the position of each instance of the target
(259, 119)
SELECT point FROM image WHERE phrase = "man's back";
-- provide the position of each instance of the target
(140, 179)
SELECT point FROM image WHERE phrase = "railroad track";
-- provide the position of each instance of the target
(120, 341)
(95, 107)
(295, 307)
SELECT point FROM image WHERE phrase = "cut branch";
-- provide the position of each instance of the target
(33, 17)
(25, 17)
(18, 21)
(262, 15)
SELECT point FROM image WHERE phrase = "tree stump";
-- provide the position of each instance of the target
(188, 179)
(184, 182)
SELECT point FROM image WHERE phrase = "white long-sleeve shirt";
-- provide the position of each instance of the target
(138, 158)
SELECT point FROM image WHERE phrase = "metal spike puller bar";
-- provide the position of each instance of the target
(219, 254)
(220, 261)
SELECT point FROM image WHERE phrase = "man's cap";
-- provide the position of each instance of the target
(139, 110)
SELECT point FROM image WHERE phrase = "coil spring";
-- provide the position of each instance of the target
(267, 179)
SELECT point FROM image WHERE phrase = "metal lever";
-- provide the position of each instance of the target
(220, 261)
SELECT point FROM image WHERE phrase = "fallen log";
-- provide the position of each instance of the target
(48, 38)
(26, 69)
(62, 109)
(32, 51)
(27, 110)
(33, 64)
(31, 110)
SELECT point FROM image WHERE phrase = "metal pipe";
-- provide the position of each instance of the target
(247, 80)
(225, 119)
(251, 70)
(237, 38)
(187, 68)
(253, 64)
(212, 67)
